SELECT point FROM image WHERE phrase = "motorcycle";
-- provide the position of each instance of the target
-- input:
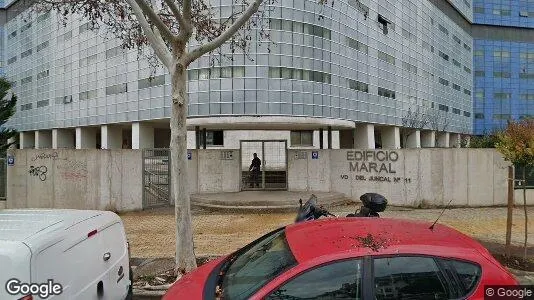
(373, 203)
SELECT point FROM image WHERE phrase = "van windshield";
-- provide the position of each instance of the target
(252, 269)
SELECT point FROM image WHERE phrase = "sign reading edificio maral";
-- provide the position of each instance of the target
(367, 161)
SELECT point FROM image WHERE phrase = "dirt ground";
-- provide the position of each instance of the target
(151, 233)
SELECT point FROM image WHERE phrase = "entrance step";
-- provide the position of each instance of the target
(276, 201)
(3, 204)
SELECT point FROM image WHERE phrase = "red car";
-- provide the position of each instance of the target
(350, 258)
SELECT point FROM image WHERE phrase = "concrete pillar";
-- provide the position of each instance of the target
(110, 137)
(63, 138)
(329, 137)
(364, 136)
(85, 138)
(197, 137)
(467, 141)
(27, 140)
(414, 139)
(204, 138)
(443, 140)
(390, 137)
(43, 139)
(428, 139)
(455, 141)
(321, 138)
(142, 136)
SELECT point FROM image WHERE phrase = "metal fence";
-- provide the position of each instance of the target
(529, 172)
(156, 177)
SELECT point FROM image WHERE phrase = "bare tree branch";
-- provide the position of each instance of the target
(185, 25)
(160, 48)
(226, 35)
(155, 19)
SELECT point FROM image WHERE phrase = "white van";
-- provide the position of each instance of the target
(63, 254)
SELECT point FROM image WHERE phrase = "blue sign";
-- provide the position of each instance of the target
(315, 154)
(189, 155)
(10, 160)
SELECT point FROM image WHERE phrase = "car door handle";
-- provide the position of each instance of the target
(107, 256)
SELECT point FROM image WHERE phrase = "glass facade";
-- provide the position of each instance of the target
(363, 61)
(504, 67)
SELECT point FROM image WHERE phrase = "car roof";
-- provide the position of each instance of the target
(21, 224)
(361, 236)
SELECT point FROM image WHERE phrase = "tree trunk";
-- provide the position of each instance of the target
(525, 209)
(185, 256)
(510, 210)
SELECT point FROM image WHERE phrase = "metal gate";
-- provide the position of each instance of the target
(156, 177)
(273, 171)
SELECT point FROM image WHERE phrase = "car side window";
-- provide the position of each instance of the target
(338, 280)
(468, 273)
(408, 277)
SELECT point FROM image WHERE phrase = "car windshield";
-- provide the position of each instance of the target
(251, 269)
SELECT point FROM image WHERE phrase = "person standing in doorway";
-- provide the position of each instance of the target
(255, 171)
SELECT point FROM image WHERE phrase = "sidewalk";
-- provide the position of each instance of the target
(254, 201)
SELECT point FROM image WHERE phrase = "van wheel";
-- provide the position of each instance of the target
(130, 289)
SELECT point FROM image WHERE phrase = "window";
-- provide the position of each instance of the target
(502, 12)
(360, 7)
(501, 117)
(457, 39)
(467, 92)
(25, 27)
(386, 57)
(26, 80)
(526, 75)
(42, 46)
(26, 106)
(257, 264)
(302, 138)
(43, 74)
(479, 53)
(83, 28)
(114, 52)
(523, 14)
(478, 10)
(309, 75)
(456, 63)
(26, 53)
(467, 114)
(116, 89)
(456, 87)
(338, 280)
(213, 138)
(409, 67)
(42, 103)
(443, 107)
(444, 56)
(480, 73)
(479, 116)
(12, 60)
(501, 74)
(43, 17)
(526, 96)
(354, 44)
(151, 82)
(501, 96)
(467, 47)
(501, 54)
(359, 86)
(385, 24)
(88, 94)
(286, 25)
(12, 35)
(443, 29)
(67, 99)
(67, 36)
(402, 278)
(386, 93)
(456, 111)
(468, 70)
(443, 81)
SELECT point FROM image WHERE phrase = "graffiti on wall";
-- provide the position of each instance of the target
(39, 172)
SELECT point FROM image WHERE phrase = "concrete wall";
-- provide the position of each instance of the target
(82, 179)
(519, 197)
(468, 177)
